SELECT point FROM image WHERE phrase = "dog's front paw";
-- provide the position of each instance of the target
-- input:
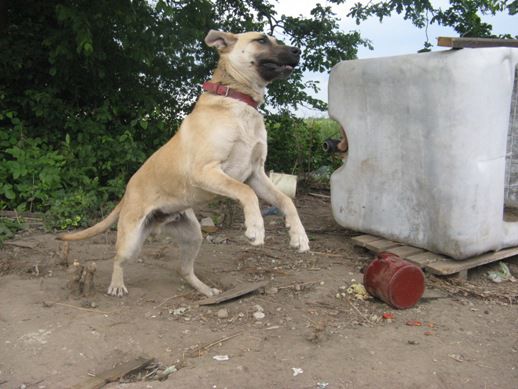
(255, 234)
(117, 290)
(300, 241)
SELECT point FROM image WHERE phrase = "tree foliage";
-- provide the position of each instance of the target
(89, 89)
(464, 16)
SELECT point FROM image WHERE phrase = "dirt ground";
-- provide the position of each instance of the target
(313, 333)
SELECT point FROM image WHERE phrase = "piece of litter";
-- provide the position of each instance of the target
(500, 273)
(179, 311)
(322, 385)
(297, 371)
(388, 315)
(457, 357)
(359, 291)
(259, 315)
(166, 373)
(414, 323)
(221, 357)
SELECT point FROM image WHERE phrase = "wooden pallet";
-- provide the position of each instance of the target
(434, 263)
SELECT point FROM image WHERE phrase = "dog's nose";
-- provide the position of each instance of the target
(295, 50)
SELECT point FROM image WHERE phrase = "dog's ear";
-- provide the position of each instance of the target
(220, 39)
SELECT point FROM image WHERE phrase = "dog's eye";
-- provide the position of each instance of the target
(262, 41)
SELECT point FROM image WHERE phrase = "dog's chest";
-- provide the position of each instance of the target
(247, 154)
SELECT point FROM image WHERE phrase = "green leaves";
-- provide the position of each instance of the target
(463, 15)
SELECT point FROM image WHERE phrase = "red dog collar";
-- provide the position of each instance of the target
(225, 91)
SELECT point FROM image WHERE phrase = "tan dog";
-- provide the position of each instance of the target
(220, 149)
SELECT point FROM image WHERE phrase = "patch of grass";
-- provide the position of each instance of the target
(8, 228)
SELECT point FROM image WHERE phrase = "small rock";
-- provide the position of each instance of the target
(222, 314)
(258, 308)
(413, 342)
(207, 225)
(259, 315)
(47, 304)
(272, 290)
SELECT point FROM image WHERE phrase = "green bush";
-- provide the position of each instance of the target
(295, 145)
(8, 228)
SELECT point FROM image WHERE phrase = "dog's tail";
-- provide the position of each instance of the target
(102, 226)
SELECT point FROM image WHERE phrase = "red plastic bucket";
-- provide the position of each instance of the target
(395, 281)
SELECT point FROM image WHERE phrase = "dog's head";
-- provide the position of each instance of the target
(255, 54)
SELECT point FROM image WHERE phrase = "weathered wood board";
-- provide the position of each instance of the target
(459, 43)
(434, 263)
(233, 293)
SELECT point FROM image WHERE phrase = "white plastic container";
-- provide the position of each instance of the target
(428, 138)
(286, 183)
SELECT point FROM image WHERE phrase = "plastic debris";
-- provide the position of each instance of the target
(166, 373)
(414, 323)
(259, 315)
(388, 315)
(297, 371)
(500, 272)
(271, 211)
(179, 311)
(359, 291)
(322, 385)
(221, 358)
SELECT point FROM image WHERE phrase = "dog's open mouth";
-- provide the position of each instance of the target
(278, 64)
(274, 66)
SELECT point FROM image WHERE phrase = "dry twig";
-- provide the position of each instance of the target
(197, 352)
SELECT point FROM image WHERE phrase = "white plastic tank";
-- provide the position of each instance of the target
(430, 136)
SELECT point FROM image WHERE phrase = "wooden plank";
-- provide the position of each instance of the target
(405, 251)
(233, 293)
(425, 258)
(434, 263)
(451, 266)
(363, 239)
(114, 374)
(381, 245)
(459, 43)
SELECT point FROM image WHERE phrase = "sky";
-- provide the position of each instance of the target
(394, 36)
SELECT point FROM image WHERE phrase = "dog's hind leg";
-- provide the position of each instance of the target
(187, 234)
(131, 233)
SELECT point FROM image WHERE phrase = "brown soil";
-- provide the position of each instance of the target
(50, 339)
